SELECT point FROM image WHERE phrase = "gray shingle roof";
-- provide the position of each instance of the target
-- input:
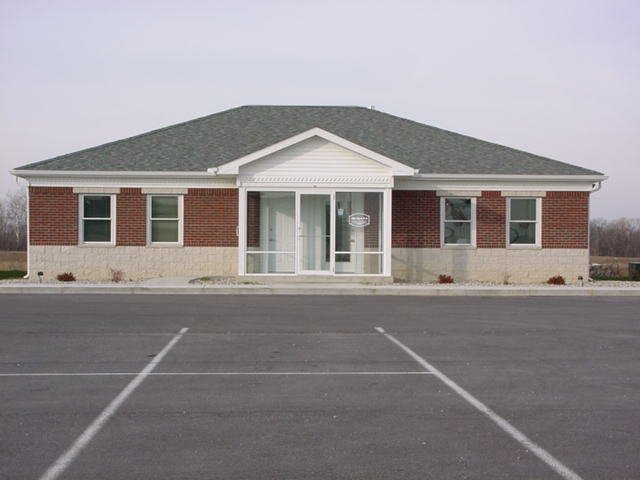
(222, 137)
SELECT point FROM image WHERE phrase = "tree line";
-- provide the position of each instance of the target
(13, 221)
(610, 238)
(615, 238)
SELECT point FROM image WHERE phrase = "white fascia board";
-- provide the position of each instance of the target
(107, 173)
(397, 168)
(515, 178)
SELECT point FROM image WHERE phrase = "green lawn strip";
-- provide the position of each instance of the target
(615, 279)
(7, 274)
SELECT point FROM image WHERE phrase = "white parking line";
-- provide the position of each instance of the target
(560, 468)
(61, 464)
(195, 374)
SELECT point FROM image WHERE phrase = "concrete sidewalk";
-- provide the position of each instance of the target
(182, 286)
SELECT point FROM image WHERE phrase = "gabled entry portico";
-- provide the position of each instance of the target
(309, 231)
(315, 204)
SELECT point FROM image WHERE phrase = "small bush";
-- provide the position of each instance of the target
(557, 280)
(66, 277)
(117, 276)
(445, 279)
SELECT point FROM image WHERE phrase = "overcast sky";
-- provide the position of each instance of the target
(556, 78)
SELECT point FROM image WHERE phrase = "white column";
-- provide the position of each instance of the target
(242, 230)
(386, 268)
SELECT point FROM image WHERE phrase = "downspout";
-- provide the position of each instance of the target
(594, 188)
(28, 227)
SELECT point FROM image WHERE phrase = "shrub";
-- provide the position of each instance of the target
(557, 280)
(445, 279)
(117, 276)
(66, 277)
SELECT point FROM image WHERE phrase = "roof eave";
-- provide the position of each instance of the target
(514, 177)
(106, 173)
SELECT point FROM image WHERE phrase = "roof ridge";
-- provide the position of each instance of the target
(139, 135)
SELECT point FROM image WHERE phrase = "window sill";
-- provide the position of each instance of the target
(524, 247)
(455, 246)
(165, 245)
(97, 245)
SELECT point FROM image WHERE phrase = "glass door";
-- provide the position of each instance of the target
(314, 233)
(358, 233)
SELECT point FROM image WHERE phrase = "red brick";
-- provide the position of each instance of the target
(491, 220)
(565, 220)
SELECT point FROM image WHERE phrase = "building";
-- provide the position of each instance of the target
(294, 190)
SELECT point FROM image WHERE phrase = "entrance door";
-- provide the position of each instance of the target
(315, 233)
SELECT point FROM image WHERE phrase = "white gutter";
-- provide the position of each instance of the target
(106, 173)
(596, 187)
(499, 177)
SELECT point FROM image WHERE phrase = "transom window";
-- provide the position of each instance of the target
(524, 219)
(97, 219)
(458, 221)
(164, 219)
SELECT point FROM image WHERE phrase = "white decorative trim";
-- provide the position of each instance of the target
(101, 190)
(169, 191)
(459, 193)
(232, 168)
(523, 193)
(255, 180)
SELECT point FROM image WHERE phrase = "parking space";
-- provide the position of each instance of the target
(42, 416)
(305, 387)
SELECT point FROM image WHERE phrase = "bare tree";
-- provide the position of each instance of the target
(615, 238)
(13, 221)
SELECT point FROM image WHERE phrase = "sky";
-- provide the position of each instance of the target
(556, 78)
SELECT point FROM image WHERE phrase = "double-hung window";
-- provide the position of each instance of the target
(164, 226)
(524, 222)
(97, 219)
(458, 221)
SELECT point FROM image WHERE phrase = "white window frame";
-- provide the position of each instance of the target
(180, 220)
(82, 218)
(538, 222)
(443, 221)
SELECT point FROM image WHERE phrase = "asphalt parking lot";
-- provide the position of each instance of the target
(306, 387)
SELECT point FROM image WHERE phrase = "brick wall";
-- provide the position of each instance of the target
(565, 220)
(211, 217)
(53, 216)
(131, 217)
(416, 219)
(491, 220)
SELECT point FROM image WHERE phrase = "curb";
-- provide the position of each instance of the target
(327, 290)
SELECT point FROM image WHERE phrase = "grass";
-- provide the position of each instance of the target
(616, 279)
(7, 274)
